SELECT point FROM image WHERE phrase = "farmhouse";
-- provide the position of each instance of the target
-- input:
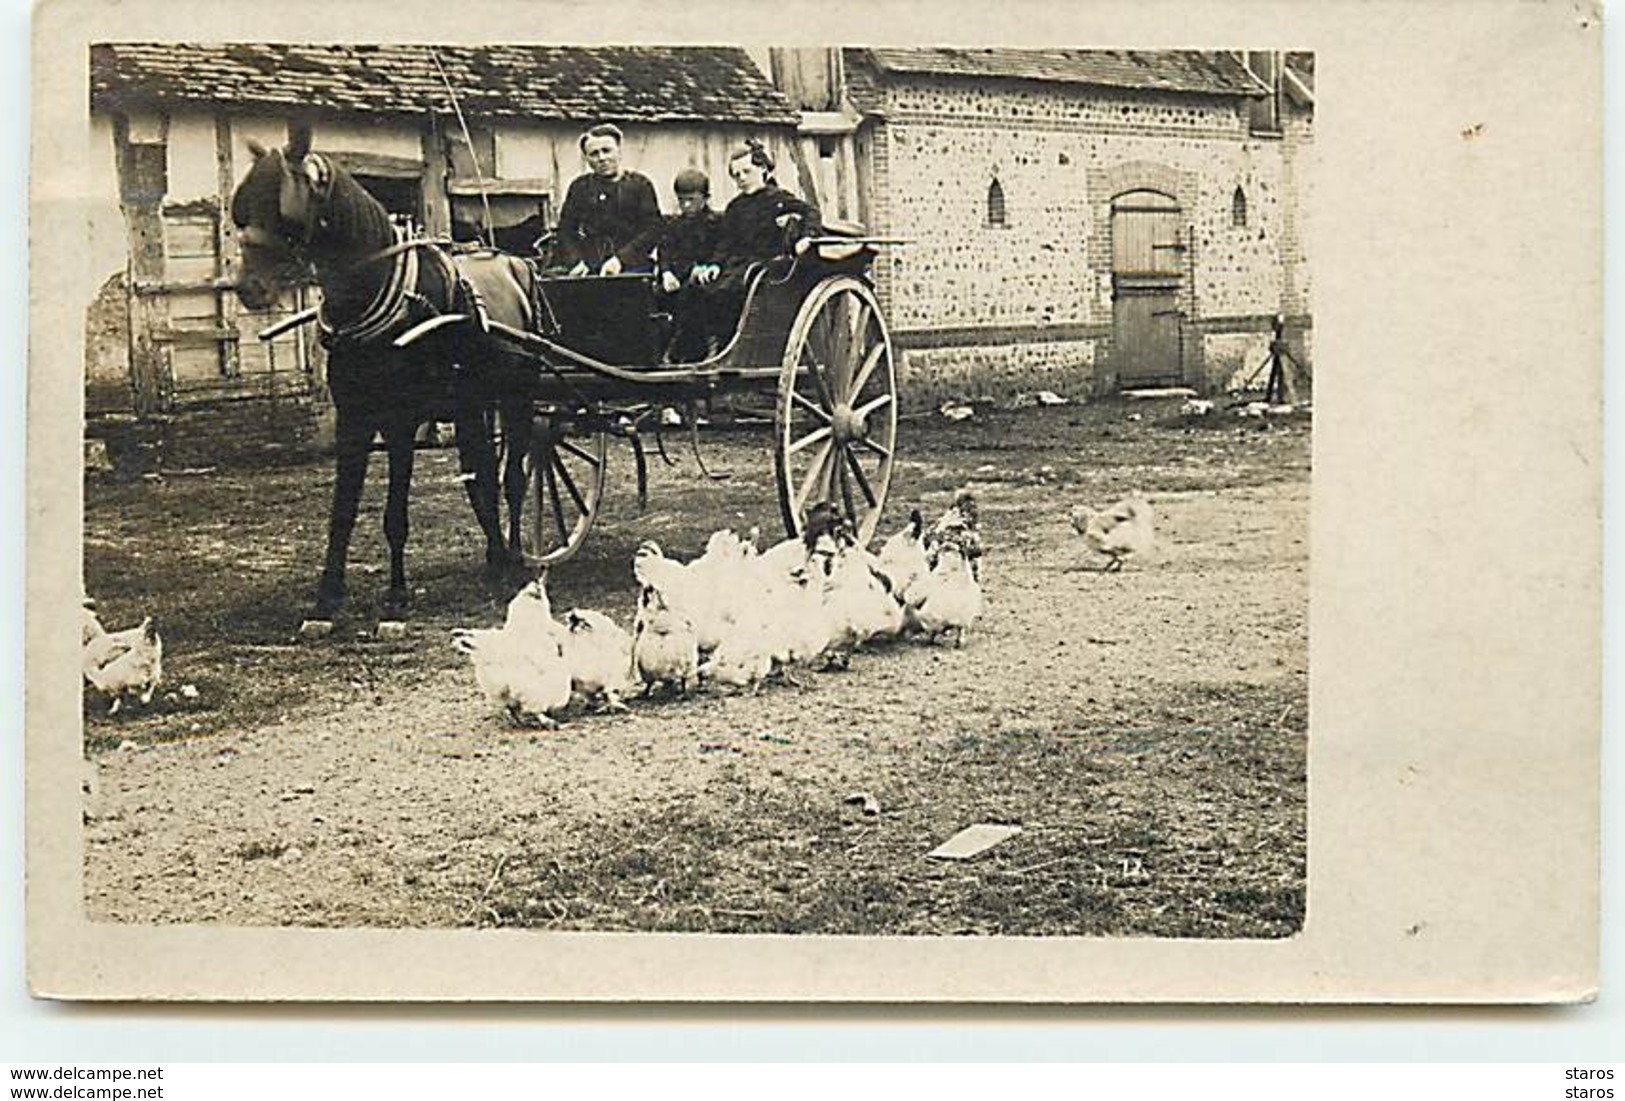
(1086, 221)
(1078, 221)
(172, 359)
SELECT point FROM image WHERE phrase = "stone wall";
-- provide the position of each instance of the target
(1042, 279)
(997, 372)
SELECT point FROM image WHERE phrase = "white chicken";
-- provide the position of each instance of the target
(520, 666)
(531, 609)
(902, 559)
(121, 663)
(688, 589)
(598, 653)
(665, 649)
(743, 661)
(950, 598)
(727, 576)
(521, 674)
(1123, 531)
(857, 602)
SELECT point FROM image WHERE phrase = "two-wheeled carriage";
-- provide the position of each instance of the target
(810, 337)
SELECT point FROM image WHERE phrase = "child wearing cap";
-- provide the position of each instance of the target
(685, 245)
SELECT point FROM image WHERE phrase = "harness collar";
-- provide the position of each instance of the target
(390, 309)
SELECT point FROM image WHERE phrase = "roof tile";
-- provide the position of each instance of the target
(1207, 72)
(620, 83)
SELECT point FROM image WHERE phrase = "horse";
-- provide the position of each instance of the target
(299, 214)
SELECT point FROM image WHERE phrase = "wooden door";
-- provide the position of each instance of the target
(1147, 276)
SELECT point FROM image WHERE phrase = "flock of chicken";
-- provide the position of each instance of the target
(736, 615)
(732, 618)
(120, 664)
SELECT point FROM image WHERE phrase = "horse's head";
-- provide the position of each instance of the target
(277, 210)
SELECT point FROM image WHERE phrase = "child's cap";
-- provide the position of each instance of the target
(691, 181)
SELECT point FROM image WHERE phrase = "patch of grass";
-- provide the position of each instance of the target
(1174, 832)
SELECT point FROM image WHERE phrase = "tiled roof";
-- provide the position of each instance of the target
(619, 83)
(1209, 72)
(1302, 64)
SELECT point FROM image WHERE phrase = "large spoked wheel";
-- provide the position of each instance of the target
(565, 485)
(835, 429)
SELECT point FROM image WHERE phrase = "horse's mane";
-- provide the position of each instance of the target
(355, 218)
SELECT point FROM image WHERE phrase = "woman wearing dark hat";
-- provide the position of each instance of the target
(608, 213)
(762, 222)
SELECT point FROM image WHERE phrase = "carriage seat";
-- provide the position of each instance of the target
(614, 319)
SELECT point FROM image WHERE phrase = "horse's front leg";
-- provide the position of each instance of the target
(516, 427)
(399, 440)
(352, 442)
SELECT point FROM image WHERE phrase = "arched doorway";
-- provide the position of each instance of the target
(1148, 266)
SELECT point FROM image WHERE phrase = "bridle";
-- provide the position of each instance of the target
(395, 301)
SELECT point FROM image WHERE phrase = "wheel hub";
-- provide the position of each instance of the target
(847, 424)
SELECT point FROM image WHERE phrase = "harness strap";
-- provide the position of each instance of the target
(390, 307)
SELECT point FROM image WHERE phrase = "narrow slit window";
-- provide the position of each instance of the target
(995, 204)
(1238, 209)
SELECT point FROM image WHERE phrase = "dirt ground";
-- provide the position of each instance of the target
(1147, 730)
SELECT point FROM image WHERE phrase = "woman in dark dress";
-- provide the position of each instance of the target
(609, 215)
(762, 222)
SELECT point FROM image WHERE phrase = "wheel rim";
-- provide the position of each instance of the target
(836, 424)
(565, 485)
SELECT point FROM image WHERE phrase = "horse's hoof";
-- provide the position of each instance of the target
(328, 602)
(315, 628)
(396, 602)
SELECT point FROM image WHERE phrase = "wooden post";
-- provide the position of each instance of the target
(225, 247)
(432, 184)
(143, 172)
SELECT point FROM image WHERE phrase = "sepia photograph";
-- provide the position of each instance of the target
(698, 489)
(813, 504)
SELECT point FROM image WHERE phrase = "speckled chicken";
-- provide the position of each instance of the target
(665, 650)
(950, 597)
(1125, 530)
(959, 526)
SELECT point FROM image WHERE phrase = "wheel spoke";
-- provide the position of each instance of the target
(870, 362)
(846, 487)
(820, 383)
(863, 480)
(569, 483)
(870, 406)
(557, 505)
(857, 324)
(822, 336)
(809, 439)
(815, 476)
(583, 455)
(811, 406)
(839, 311)
(872, 446)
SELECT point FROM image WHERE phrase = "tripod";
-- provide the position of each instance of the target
(1275, 388)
